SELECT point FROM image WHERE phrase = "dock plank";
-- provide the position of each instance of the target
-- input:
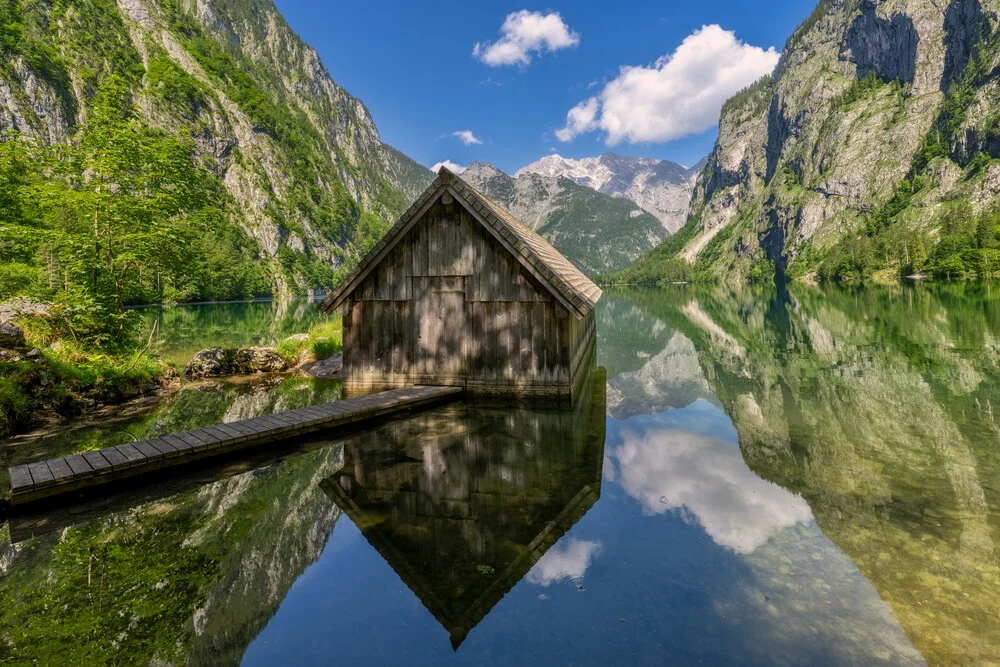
(164, 447)
(115, 458)
(79, 465)
(20, 479)
(207, 441)
(97, 462)
(179, 444)
(60, 475)
(133, 455)
(60, 470)
(41, 475)
(151, 453)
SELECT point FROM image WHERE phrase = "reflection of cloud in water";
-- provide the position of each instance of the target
(704, 478)
(568, 559)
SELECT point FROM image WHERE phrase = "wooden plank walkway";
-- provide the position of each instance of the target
(44, 479)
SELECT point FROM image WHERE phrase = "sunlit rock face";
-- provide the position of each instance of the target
(250, 162)
(806, 154)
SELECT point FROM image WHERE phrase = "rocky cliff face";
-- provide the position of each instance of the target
(300, 157)
(597, 232)
(879, 117)
(659, 186)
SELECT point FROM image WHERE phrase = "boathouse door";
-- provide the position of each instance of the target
(440, 310)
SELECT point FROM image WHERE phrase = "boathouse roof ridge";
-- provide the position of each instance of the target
(549, 267)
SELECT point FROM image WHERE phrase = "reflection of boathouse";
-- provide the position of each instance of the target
(464, 500)
(460, 293)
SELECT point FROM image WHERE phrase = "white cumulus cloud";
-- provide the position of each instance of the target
(467, 137)
(450, 166)
(568, 559)
(680, 94)
(525, 33)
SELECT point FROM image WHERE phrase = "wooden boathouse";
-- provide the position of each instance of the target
(460, 293)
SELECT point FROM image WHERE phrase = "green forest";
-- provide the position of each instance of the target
(124, 216)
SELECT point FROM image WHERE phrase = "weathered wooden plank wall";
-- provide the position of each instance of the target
(449, 305)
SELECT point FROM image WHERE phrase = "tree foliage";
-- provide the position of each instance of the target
(122, 216)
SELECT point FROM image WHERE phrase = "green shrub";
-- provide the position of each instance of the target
(15, 400)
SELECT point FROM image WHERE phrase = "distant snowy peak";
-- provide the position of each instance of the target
(659, 186)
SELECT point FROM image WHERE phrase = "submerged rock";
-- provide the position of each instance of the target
(11, 336)
(330, 368)
(218, 361)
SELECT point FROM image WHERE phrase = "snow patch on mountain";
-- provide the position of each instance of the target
(659, 186)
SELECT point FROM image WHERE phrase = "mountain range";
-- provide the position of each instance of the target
(660, 187)
(874, 148)
(596, 231)
(304, 180)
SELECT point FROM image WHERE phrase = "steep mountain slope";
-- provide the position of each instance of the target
(298, 161)
(597, 232)
(872, 148)
(659, 186)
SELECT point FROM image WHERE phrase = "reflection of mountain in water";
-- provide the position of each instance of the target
(463, 502)
(875, 406)
(671, 379)
(189, 576)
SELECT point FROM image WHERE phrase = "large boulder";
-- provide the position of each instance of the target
(11, 336)
(258, 360)
(23, 307)
(217, 361)
(207, 363)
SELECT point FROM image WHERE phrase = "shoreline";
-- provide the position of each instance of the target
(52, 423)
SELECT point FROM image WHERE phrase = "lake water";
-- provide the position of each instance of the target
(181, 331)
(759, 476)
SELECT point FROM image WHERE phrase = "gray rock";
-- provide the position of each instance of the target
(330, 368)
(11, 336)
(216, 361)
(258, 360)
(207, 363)
(23, 307)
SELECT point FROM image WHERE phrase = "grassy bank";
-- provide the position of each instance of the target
(323, 340)
(65, 381)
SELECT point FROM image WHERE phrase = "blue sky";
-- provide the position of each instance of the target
(413, 65)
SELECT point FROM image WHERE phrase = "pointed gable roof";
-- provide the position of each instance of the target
(565, 282)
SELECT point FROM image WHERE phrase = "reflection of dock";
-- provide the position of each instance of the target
(463, 501)
(64, 475)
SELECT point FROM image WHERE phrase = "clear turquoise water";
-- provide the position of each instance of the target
(759, 476)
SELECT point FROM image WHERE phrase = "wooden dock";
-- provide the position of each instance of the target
(44, 479)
